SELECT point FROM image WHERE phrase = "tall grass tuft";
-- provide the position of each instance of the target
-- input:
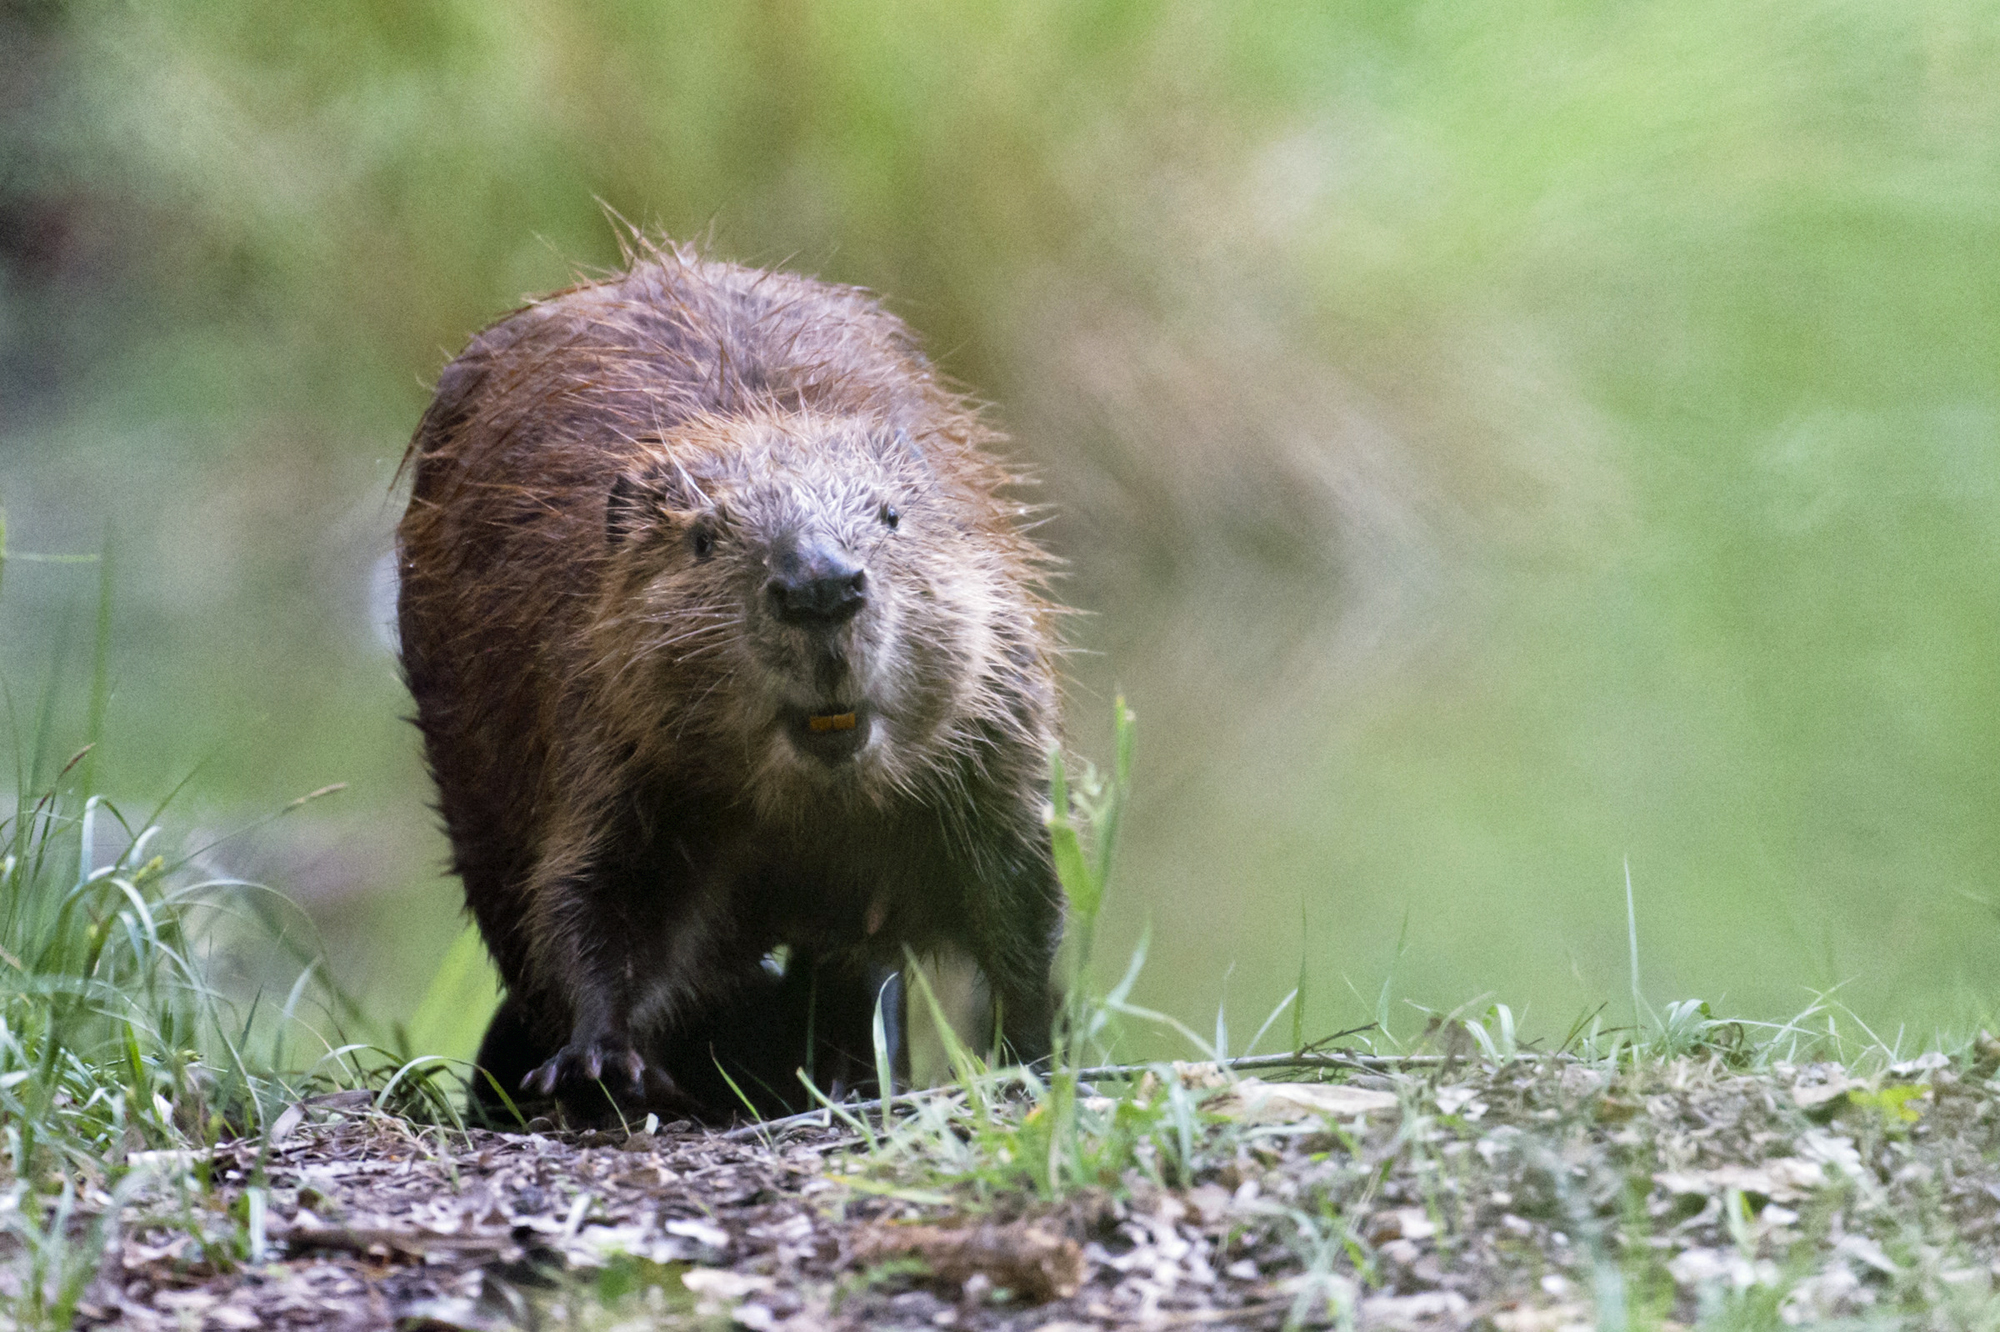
(119, 1048)
(975, 1131)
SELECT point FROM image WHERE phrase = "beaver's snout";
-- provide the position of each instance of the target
(814, 584)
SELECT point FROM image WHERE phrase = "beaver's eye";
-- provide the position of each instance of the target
(890, 517)
(703, 542)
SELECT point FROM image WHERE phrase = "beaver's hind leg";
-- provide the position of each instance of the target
(818, 1018)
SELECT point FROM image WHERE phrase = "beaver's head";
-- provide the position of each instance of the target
(808, 601)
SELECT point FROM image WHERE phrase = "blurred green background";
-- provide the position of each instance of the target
(1490, 440)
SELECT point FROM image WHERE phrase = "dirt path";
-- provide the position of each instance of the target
(1523, 1197)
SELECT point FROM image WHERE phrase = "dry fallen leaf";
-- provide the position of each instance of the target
(1028, 1258)
(1552, 1318)
(1408, 1223)
(1199, 1075)
(1253, 1101)
(1785, 1179)
(719, 1283)
(701, 1232)
(1811, 1096)
(1428, 1309)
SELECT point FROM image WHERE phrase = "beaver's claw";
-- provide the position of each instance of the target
(590, 1059)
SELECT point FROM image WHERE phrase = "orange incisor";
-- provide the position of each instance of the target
(837, 721)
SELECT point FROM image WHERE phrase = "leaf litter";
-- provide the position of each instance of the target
(1524, 1195)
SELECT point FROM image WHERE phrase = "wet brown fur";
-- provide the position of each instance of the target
(605, 703)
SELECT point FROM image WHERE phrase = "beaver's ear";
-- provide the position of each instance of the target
(899, 447)
(635, 496)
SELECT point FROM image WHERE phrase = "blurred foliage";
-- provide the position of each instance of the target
(1491, 439)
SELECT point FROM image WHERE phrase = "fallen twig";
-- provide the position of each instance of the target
(367, 1239)
(1111, 1072)
(1250, 1063)
(1196, 1317)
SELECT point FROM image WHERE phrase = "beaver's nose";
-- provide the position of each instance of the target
(814, 584)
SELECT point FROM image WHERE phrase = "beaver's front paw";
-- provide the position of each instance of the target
(590, 1058)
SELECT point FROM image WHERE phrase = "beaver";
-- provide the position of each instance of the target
(728, 641)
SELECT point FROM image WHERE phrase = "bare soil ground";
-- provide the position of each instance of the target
(1525, 1196)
